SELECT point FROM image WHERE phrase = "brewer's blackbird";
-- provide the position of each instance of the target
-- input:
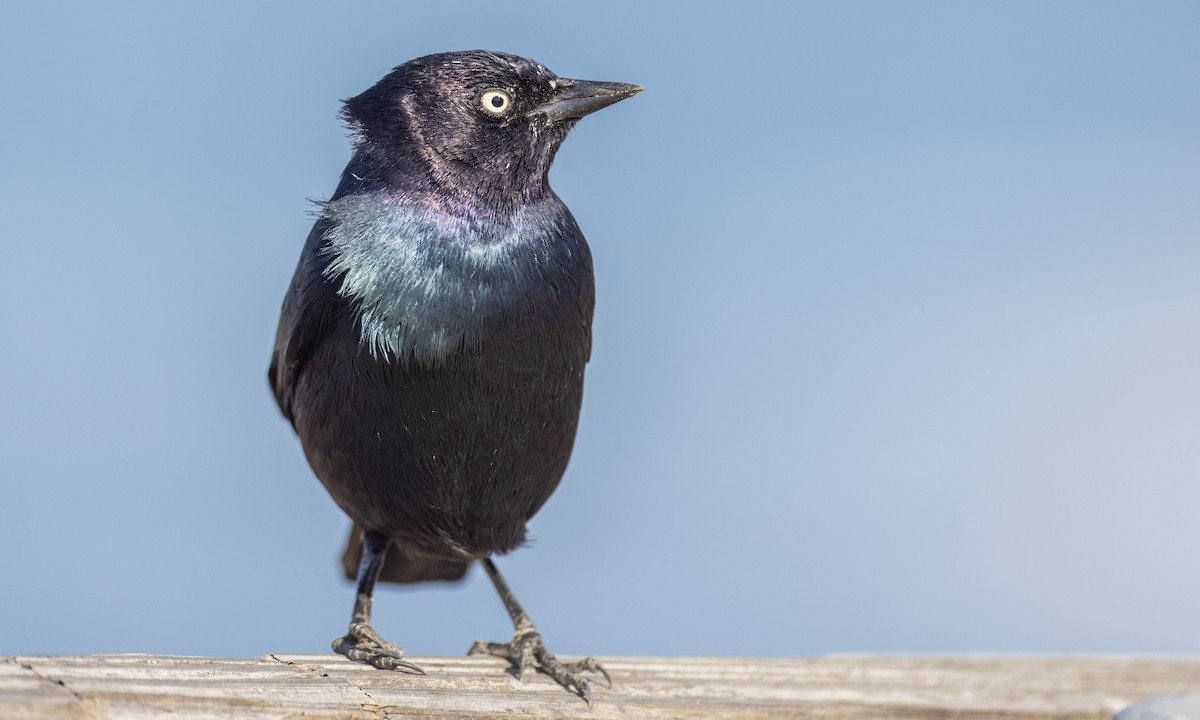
(431, 347)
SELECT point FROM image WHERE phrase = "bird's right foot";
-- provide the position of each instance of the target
(363, 644)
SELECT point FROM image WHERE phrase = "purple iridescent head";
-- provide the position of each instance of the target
(475, 121)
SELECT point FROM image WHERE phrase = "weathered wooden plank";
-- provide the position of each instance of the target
(834, 688)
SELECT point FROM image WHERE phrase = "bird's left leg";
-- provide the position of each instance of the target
(362, 642)
(527, 643)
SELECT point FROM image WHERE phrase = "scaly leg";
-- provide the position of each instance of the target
(361, 642)
(527, 643)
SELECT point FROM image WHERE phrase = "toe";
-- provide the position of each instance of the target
(590, 664)
(583, 689)
(483, 647)
(367, 635)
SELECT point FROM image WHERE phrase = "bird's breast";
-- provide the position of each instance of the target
(428, 282)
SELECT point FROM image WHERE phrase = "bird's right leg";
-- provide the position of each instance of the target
(361, 642)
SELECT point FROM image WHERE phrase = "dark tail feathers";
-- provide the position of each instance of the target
(399, 566)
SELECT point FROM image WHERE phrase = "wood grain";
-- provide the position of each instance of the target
(833, 688)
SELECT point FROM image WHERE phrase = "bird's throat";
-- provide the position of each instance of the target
(428, 281)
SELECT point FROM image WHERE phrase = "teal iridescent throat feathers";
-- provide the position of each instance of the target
(426, 281)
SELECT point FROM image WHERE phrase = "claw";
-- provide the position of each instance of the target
(589, 664)
(363, 644)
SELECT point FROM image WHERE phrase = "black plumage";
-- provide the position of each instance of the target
(431, 348)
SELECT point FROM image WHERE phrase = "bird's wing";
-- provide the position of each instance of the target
(309, 309)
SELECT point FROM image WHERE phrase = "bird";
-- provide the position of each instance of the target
(431, 346)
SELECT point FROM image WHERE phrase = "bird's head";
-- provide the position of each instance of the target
(477, 122)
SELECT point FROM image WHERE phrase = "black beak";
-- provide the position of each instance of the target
(576, 98)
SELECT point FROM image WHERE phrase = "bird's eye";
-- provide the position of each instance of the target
(495, 101)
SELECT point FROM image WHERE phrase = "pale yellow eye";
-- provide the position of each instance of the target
(495, 101)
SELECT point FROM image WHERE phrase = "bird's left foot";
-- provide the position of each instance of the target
(527, 644)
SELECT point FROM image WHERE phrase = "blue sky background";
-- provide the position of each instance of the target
(897, 342)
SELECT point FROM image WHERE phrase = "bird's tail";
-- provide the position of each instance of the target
(400, 566)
